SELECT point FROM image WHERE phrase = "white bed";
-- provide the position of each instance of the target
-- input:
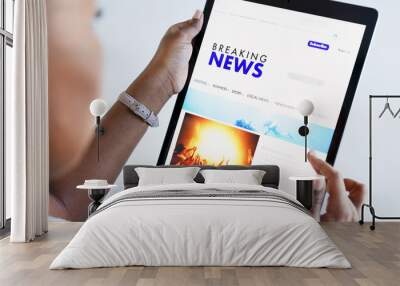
(247, 226)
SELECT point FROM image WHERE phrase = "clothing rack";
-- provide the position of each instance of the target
(370, 204)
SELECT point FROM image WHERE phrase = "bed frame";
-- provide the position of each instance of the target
(271, 177)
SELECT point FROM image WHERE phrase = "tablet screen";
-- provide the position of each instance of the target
(255, 64)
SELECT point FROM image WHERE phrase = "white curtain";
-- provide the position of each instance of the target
(27, 121)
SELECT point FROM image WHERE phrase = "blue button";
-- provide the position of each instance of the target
(318, 45)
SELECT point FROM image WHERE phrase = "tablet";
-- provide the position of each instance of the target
(253, 62)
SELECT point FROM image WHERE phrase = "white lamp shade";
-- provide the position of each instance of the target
(306, 107)
(98, 107)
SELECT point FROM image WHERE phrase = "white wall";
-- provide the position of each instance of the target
(380, 76)
(130, 32)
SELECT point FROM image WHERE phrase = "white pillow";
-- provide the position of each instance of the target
(166, 176)
(246, 177)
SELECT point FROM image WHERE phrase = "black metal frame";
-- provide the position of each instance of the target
(331, 9)
(2, 91)
(6, 39)
(370, 203)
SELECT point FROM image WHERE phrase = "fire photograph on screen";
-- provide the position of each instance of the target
(205, 142)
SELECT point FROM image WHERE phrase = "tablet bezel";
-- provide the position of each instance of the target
(331, 9)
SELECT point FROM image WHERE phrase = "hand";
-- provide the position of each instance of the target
(175, 51)
(168, 70)
(346, 196)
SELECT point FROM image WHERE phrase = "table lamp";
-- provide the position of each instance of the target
(98, 108)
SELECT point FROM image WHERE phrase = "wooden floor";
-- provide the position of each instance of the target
(375, 257)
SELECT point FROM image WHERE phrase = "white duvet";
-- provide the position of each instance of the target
(200, 232)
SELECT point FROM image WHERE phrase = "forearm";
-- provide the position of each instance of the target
(123, 131)
(165, 75)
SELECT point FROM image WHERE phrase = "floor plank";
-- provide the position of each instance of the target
(375, 257)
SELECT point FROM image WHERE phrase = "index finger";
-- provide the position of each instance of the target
(322, 167)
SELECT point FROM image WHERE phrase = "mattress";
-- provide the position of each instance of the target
(201, 225)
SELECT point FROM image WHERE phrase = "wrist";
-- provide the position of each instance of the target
(152, 88)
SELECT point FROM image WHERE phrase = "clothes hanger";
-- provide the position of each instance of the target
(397, 113)
(387, 107)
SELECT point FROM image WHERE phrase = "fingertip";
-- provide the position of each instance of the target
(195, 24)
(311, 157)
(197, 15)
(198, 22)
(312, 154)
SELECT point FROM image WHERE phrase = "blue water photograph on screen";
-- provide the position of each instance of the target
(249, 118)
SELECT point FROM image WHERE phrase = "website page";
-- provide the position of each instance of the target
(255, 65)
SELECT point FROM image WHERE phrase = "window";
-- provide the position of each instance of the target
(6, 44)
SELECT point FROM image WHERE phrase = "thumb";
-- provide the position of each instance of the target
(192, 27)
(321, 167)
